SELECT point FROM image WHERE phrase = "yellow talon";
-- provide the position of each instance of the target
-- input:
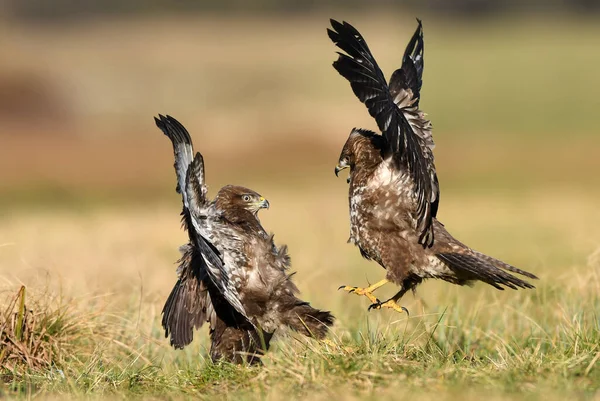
(388, 304)
(359, 291)
(367, 292)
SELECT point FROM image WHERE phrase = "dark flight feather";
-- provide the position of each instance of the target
(186, 306)
(410, 75)
(182, 146)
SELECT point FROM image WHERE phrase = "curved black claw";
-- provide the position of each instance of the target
(376, 305)
(348, 288)
(396, 307)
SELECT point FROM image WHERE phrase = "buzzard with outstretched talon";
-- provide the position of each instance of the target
(394, 192)
(231, 274)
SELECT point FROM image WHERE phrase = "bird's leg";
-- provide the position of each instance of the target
(367, 292)
(391, 303)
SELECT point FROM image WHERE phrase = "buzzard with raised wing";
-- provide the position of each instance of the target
(394, 192)
(231, 274)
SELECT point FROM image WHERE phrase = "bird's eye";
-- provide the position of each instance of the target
(246, 198)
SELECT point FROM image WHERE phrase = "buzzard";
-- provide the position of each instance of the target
(231, 274)
(394, 192)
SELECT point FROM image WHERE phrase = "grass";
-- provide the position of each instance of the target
(90, 231)
(114, 268)
(444, 352)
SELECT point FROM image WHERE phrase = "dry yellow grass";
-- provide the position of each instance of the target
(119, 262)
(117, 250)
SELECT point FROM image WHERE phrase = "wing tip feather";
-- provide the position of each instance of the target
(173, 129)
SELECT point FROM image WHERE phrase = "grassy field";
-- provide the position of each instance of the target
(89, 222)
(102, 275)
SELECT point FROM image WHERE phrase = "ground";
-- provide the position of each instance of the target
(90, 221)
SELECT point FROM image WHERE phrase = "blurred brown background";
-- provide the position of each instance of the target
(86, 179)
(512, 91)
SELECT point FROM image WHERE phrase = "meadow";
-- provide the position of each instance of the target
(89, 223)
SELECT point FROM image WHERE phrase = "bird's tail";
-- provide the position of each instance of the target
(238, 344)
(305, 319)
(477, 266)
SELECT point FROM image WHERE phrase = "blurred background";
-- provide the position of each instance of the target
(87, 187)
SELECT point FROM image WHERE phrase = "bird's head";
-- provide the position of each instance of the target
(358, 148)
(236, 202)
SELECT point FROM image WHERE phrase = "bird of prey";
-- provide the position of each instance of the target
(394, 192)
(231, 273)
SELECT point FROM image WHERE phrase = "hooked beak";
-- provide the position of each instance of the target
(263, 203)
(339, 168)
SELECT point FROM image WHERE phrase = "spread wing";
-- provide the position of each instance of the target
(191, 186)
(183, 149)
(193, 302)
(407, 134)
(189, 304)
(216, 268)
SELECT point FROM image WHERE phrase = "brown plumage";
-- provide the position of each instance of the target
(231, 274)
(394, 191)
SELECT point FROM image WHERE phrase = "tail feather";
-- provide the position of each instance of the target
(307, 320)
(237, 344)
(505, 266)
(476, 266)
